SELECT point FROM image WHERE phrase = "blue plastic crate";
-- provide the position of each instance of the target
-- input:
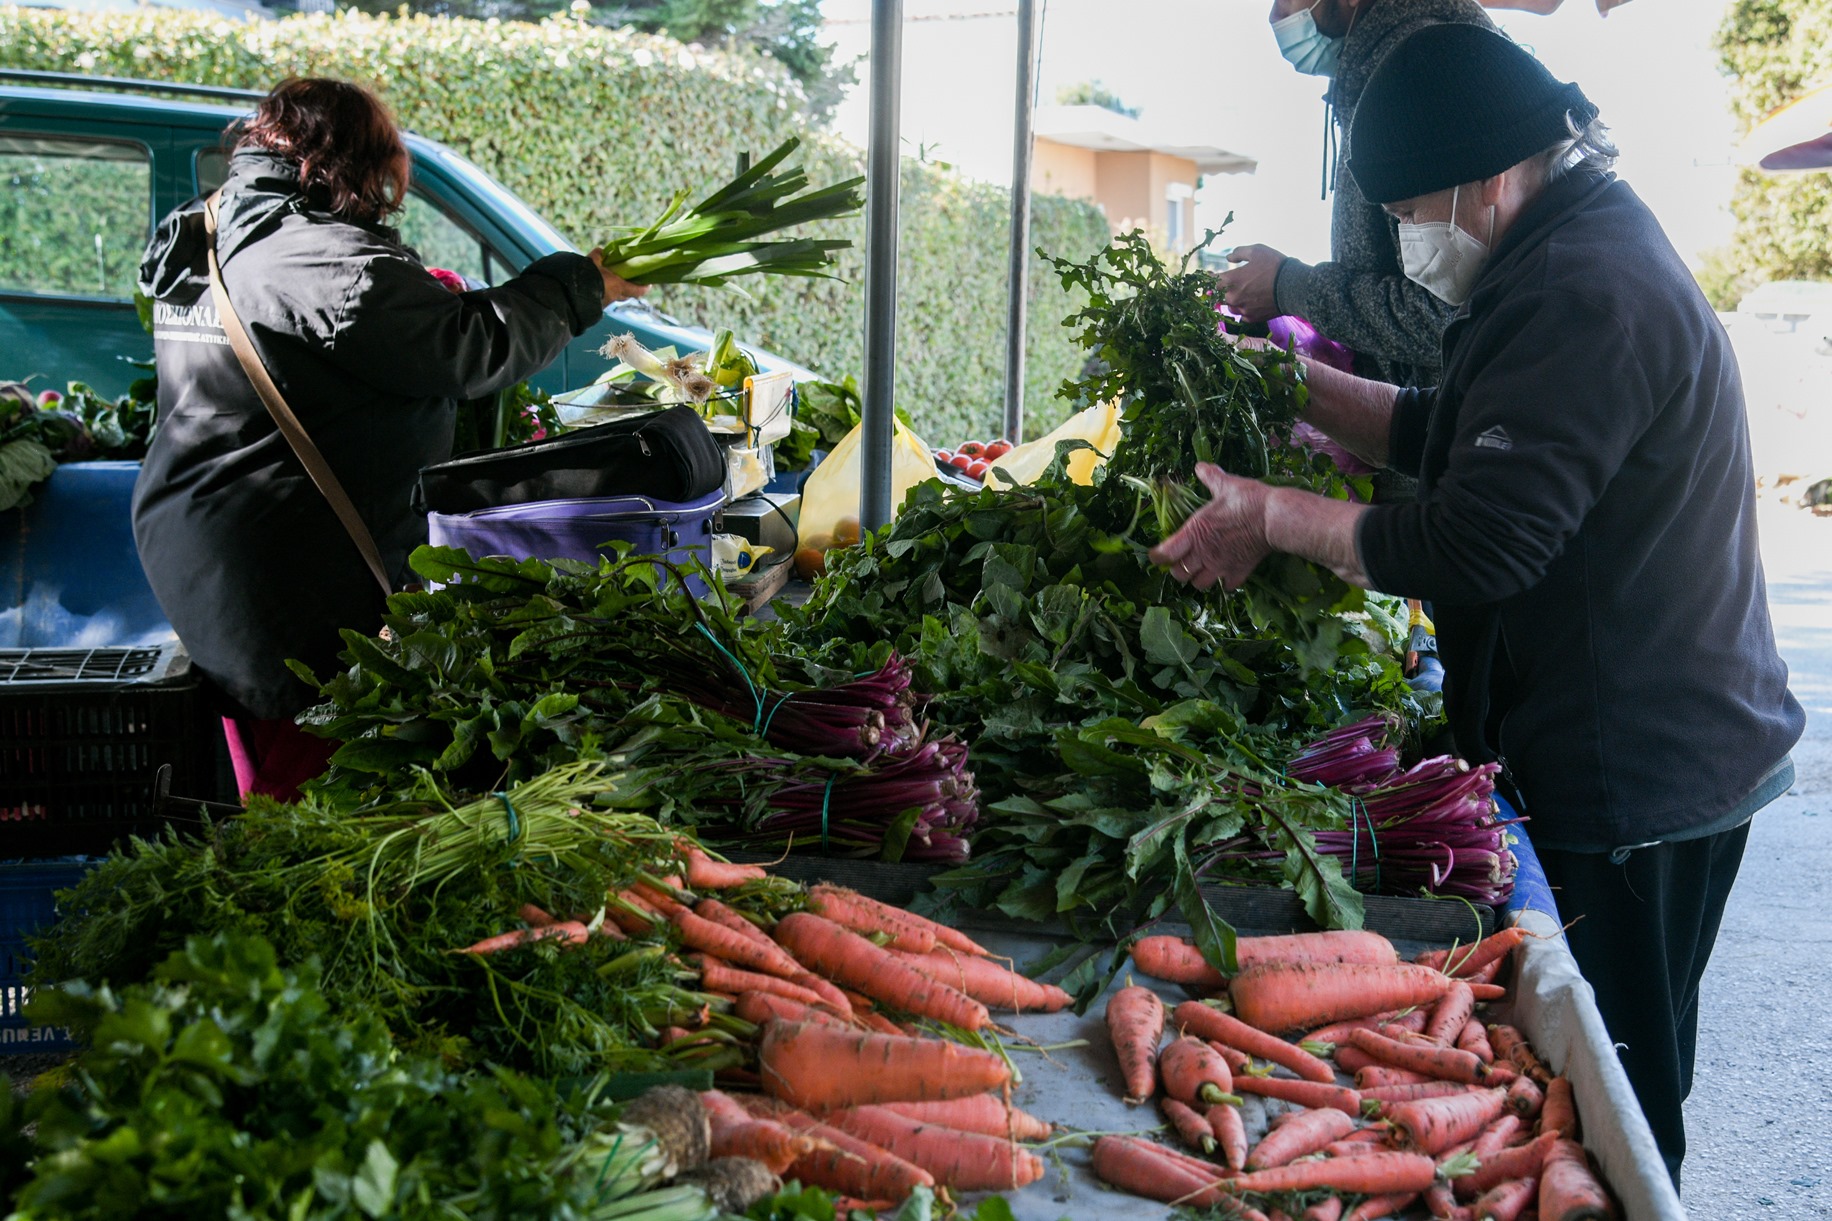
(26, 906)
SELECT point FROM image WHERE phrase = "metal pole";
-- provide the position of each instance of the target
(883, 154)
(1017, 306)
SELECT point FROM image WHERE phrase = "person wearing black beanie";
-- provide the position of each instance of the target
(1585, 524)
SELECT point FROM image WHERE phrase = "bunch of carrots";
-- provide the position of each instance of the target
(1441, 1107)
(813, 1024)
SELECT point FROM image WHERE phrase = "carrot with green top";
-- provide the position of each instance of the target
(698, 933)
(853, 962)
(1193, 1072)
(706, 872)
(820, 1067)
(1238, 1060)
(1193, 1129)
(760, 1007)
(1281, 998)
(1209, 1022)
(1507, 1164)
(721, 976)
(1301, 1134)
(1135, 1020)
(566, 932)
(964, 1161)
(1568, 1190)
(841, 906)
(1304, 1093)
(1432, 1125)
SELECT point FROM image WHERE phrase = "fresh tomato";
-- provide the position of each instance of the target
(943, 455)
(973, 449)
(960, 462)
(978, 468)
(998, 449)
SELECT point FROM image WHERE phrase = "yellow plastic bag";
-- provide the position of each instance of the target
(830, 497)
(1098, 425)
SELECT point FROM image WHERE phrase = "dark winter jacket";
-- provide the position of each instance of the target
(1361, 297)
(1587, 532)
(241, 549)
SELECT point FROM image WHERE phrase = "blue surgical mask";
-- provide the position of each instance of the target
(1309, 49)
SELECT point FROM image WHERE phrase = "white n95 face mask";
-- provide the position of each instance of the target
(1307, 48)
(1441, 258)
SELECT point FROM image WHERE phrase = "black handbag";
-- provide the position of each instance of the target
(668, 455)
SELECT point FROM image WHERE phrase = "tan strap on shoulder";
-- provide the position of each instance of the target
(288, 423)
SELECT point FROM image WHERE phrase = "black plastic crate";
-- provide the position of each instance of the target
(27, 904)
(83, 734)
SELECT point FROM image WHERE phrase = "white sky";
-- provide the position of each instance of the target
(1207, 71)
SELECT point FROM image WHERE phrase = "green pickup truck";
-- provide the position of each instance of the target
(88, 166)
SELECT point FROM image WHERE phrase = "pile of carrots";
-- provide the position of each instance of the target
(1442, 1108)
(812, 1023)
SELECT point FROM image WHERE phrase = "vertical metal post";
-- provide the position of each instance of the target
(1017, 307)
(882, 160)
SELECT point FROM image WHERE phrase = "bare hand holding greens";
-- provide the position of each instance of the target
(723, 235)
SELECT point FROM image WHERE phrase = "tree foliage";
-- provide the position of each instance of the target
(1774, 51)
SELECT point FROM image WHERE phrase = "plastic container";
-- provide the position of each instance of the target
(83, 733)
(27, 905)
(582, 529)
(70, 575)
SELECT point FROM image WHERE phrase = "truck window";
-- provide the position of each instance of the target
(75, 215)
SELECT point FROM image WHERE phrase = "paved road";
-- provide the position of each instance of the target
(1759, 1123)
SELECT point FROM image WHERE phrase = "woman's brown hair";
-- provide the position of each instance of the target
(342, 138)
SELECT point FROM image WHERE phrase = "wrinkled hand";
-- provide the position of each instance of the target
(1248, 287)
(1225, 539)
(616, 288)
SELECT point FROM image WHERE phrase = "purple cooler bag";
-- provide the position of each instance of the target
(581, 529)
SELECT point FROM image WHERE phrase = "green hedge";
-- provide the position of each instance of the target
(597, 127)
(1774, 51)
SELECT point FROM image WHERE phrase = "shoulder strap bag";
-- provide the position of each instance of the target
(284, 419)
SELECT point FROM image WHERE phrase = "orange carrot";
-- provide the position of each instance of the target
(1512, 1046)
(1352, 1060)
(1194, 1129)
(1490, 949)
(1144, 1169)
(1474, 1039)
(1452, 1013)
(1281, 998)
(844, 1163)
(1497, 1136)
(721, 976)
(723, 1108)
(851, 961)
(1559, 1114)
(1375, 1207)
(567, 932)
(1568, 1191)
(953, 938)
(730, 917)
(842, 906)
(762, 1140)
(705, 872)
(1432, 1125)
(1210, 1023)
(1447, 1063)
(1337, 945)
(1368, 1174)
(1176, 961)
(534, 917)
(1238, 1061)
(987, 982)
(1525, 1099)
(1301, 1134)
(1193, 1072)
(871, 1019)
(699, 933)
(1487, 992)
(1506, 1202)
(1505, 1165)
(986, 1114)
(1337, 1032)
(820, 1067)
(967, 1161)
(1442, 1204)
(1230, 1130)
(1328, 1209)
(1304, 1093)
(1135, 1020)
(761, 1007)
(1377, 1076)
(1384, 1094)
(667, 902)
(1486, 975)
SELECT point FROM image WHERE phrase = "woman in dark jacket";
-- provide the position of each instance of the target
(369, 350)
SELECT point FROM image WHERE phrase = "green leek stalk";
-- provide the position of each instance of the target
(723, 235)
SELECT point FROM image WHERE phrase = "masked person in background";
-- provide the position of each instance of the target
(1359, 298)
(369, 350)
(1585, 524)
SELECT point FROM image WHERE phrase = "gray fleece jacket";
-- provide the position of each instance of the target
(1361, 297)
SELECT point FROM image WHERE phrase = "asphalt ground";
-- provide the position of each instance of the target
(1759, 1122)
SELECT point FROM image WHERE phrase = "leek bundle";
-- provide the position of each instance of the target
(722, 235)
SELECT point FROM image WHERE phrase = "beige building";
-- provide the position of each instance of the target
(1140, 179)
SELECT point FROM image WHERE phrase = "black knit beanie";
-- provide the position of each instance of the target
(1455, 104)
